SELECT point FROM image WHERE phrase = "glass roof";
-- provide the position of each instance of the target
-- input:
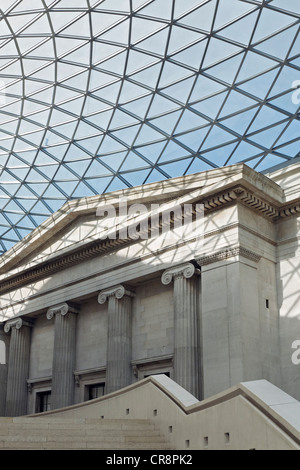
(102, 95)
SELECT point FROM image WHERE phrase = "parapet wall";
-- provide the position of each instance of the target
(253, 415)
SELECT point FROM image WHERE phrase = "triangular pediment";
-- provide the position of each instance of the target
(78, 229)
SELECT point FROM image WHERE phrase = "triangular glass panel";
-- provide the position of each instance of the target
(181, 38)
(101, 120)
(115, 65)
(128, 135)
(255, 64)
(136, 178)
(243, 151)
(132, 162)
(152, 151)
(193, 140)
(102, 21)
(172, 73)
(175, 151)
(147, 135)
(266, 117)
(205, 87)
(156, 43)
(236, 102)
(292, 132)
(161, 105)
(114, 161)
(109, 93)
(80, 27)
(202, 18)
(99, 184)
(269, 161)
(260, 86)
(81, 55)
(160, 9)
(217, 137)
(268, 138)
(218, 157)
(210, 107)
(110, 145)
(227, 70)
(130, 92)
(241, 122)
(142, 27)
(285, 80)
(91, 144)
(117, 184)
(138, 60)
(121, 119)
(279, 45)
(181, 91)
(188, 121)
(241, 31)
(193, 55)
(176, 169)
(118, 34)
(184, 7)
(167, 123)
(229, 11)
(121, 5)
(148, 76)
(289, 5)
(155, 176)
(219, 50)
(271, 21)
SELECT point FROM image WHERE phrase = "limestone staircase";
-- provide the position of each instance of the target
(49, 433)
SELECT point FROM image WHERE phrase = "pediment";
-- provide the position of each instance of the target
(76, 230)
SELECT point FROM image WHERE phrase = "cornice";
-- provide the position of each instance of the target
(243, 193)
(227, 253)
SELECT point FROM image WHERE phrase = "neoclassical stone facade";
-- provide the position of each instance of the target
(92, 302)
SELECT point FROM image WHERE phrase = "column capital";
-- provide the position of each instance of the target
(117, 291)
(61, 309)
(186, 270)
(16, 323)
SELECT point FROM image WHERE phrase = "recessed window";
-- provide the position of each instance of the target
(43, 402)
(96, 391)
(267, 303)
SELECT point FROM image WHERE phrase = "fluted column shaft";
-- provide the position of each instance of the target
(18, 367)
(63, 364)
(118, 368)
(187, 360)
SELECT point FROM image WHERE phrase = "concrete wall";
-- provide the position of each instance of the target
(253, 415)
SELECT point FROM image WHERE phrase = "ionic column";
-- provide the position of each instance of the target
(18, 367)
(63, 364)
(187, 361)
(118, 371)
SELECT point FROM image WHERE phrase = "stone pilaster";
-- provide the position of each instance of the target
(64, 354)
(187, 359)
(18, 367)
(118, 371)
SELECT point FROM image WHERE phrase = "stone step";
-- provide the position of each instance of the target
(43, 433)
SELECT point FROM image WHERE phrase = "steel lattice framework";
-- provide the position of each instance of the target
(103, 95)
